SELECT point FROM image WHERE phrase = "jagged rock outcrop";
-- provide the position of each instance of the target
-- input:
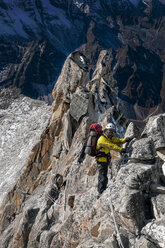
(54, 201)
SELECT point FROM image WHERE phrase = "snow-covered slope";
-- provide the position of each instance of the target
(21, 125)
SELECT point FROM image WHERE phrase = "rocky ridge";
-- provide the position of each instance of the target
(54, 200)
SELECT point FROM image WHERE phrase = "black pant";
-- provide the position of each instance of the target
(102, 177)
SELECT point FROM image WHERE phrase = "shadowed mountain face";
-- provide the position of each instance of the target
(139, 76)
(31, 67)
(36, 37)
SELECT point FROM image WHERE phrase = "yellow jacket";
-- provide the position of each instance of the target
(106, 144)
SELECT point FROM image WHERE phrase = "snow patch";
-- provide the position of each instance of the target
(134, 2)
(146, 2)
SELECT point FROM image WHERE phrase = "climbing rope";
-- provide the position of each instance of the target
(112, 211)
(56, 200)
(111, 207)
(53, 199)
(117, 229)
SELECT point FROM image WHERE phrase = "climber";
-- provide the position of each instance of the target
(53, 190)
(11, 217)
(105, 144)
(58, 180)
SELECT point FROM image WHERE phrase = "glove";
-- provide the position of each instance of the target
(128, 139)
(123, 150)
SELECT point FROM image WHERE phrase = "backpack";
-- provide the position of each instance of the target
(95, 131)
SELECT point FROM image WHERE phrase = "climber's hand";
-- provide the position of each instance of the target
(128, 139)
(123, 151)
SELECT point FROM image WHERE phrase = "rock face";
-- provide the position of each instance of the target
(54, 202)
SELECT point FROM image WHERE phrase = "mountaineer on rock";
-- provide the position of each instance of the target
(105, 143)
(52, 191)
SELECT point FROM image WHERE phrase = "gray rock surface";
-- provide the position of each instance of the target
(79, 105)
(155, 130)
(57, 149)
(132, 130)
(144, 243)
(155, 231)
(158, 203)
(143, 150)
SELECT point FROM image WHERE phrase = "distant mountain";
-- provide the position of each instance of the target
(37, 35)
